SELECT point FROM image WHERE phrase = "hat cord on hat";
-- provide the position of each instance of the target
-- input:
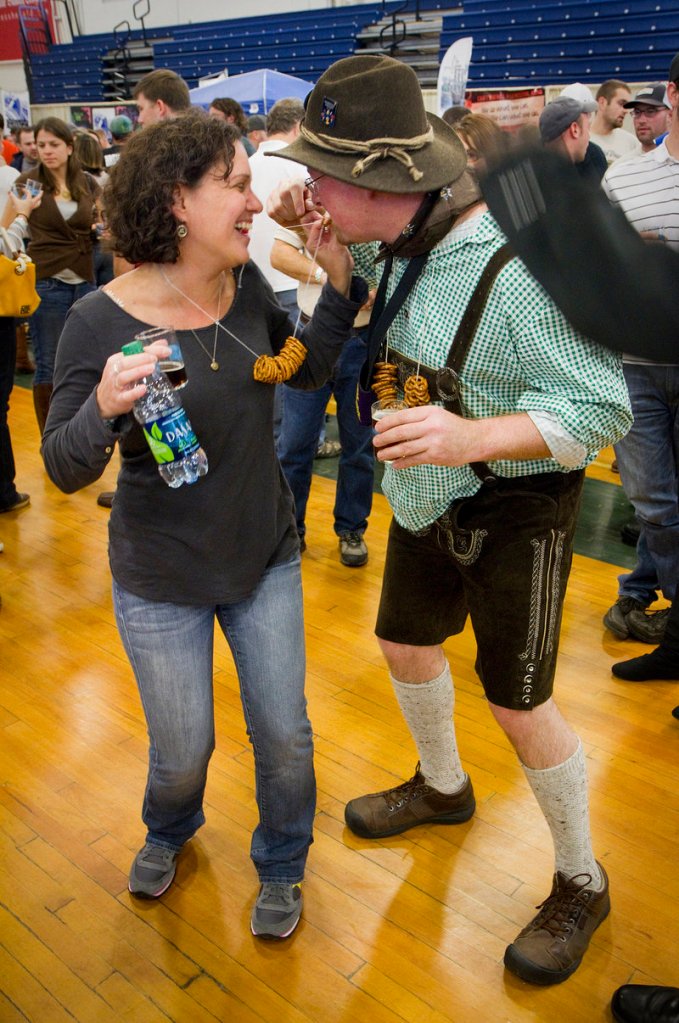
(377, 149)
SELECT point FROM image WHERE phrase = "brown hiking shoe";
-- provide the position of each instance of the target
(412, 803)
(551, 947)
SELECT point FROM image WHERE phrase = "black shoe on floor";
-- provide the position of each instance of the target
(629, 534)
(648, 626)
(20, 501)
(105, 499)
(646, 668)
(615, 618)
(645, 1003)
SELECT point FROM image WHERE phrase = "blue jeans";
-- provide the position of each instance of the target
(648, 459)
(303, 413)
(47, 322)
(170, 647)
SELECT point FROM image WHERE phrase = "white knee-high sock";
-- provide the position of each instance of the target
(428, 710)
(561, 793)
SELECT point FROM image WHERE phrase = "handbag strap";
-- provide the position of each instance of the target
(464, 337)
(383, 312)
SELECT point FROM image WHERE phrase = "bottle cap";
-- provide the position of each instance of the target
(132, 348)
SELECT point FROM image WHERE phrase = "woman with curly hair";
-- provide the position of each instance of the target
(60, 246)
(225, 549)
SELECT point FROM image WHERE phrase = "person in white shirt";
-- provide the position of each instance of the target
(8, 176)
(646, 189)
(607, 130)
(282, 123)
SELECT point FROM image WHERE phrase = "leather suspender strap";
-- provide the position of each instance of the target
(464, 337)
(384, 312)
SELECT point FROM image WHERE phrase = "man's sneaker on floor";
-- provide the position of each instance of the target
(353, 550)
(414, 802)
(277, 910)
(152, 871)
(648, 626)
(615, 618)
(551, 947)
(328, 449)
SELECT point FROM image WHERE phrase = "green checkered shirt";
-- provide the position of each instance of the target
(525, 357)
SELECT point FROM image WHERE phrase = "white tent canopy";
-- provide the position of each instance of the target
(256, 91)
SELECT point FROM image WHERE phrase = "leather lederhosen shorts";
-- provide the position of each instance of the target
(502, 557)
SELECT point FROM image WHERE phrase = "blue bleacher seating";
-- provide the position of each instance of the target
(516, 42)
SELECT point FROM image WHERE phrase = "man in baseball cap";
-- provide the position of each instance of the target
(651, 114)
(483, 470)
(564, 126)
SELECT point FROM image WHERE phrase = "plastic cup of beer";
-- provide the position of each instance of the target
(386, 407)
(173, 365)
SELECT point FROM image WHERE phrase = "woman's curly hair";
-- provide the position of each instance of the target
(143, 185)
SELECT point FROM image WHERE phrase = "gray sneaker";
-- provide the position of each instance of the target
(152, 871)
(277, 910)
(353, 550)
(615, 618)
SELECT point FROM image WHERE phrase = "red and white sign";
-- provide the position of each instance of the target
(511, 109)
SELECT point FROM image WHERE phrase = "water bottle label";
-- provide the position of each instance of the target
(171, 437)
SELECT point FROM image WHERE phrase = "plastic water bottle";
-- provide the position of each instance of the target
(167, 429)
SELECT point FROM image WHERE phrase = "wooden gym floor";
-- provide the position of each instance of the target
(409, 929)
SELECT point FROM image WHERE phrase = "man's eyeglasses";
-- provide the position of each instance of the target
(310, 184)
(647, 111)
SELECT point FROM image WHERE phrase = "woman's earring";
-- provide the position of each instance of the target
(182, 231)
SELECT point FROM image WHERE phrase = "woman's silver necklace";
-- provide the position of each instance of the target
(214, 365)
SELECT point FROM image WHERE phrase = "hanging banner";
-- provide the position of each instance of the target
(15, 108)
(511, 109)
(453, 74)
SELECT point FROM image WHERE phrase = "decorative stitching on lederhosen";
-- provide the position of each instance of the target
(544, 598)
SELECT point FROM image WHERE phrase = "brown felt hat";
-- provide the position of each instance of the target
(365, 124)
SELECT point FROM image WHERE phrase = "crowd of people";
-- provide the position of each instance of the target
(379, 252)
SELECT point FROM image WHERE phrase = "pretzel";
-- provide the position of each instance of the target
(276, 369)
(416, 391)
(384, 380)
